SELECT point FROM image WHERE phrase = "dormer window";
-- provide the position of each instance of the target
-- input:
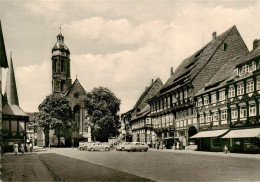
(225, 46)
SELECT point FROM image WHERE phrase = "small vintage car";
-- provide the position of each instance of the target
(98, 146)
(84, 145)
(121, 146)
(136, 146)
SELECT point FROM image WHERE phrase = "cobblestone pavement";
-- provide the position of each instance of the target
(166, 165)
(27, 167)
(55, 167)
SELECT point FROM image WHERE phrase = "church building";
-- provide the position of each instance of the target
(62, 83)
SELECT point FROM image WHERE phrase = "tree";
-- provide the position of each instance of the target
(55, 113)
(102, 107)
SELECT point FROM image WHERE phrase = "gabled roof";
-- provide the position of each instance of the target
(3, 58)
(76, 82)
(191, 66)
(144, 112)
(147, 90)
(228, 72)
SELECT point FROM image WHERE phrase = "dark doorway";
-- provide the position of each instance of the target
(192, 131)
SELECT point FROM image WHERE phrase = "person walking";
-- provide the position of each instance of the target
(22, 148)
(225, 149)
(15, 148)
(30, 147)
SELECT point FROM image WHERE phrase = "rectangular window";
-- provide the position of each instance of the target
(207, 118)
(243, 70)
(252, 110)
(247, 69)
(234, 114)
(231, 92)
(240, 89)
(222, 95)
(201, 118)
(253, 66)
(224, 115)
(181, 96)
(206, 100)
(199, 102)
(250, 86)
(215, 116)
(243, 112)
(185, 94)
(213, 98)
(258, 84)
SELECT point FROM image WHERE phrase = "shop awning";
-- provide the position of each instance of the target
(243, 133)
(209, 134)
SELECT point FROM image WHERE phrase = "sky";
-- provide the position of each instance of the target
(119, 44)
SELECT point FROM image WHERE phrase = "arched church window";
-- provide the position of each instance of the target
(62, 84)
(76, 115)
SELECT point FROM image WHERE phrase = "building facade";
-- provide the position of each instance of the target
(14, 118)
(228, 106)
(173, 110)
(139, 118)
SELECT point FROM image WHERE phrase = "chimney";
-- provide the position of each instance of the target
(214, 35)
(152, 81)
(256, 44)
(171, 71)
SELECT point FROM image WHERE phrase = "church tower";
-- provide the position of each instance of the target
(61, 80)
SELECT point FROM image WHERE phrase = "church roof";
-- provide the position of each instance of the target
(3, 58)
(11, 102)
(60, 45)
(73, 85)
(11, 96)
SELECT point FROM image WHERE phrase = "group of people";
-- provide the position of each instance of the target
(22, 148)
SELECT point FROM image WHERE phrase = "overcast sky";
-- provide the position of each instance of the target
(121, 45)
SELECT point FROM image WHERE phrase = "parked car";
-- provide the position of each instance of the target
(98, 146)
(136, 146)
(121, 146)
(84, 145)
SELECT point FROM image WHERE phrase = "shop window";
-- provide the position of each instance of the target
(231, 92)
(222, 95)
(224, 115)
(240, 89)
(252, 110)
(250, 86)
(234, 113)
(243, 112)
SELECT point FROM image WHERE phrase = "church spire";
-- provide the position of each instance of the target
(10, 87)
